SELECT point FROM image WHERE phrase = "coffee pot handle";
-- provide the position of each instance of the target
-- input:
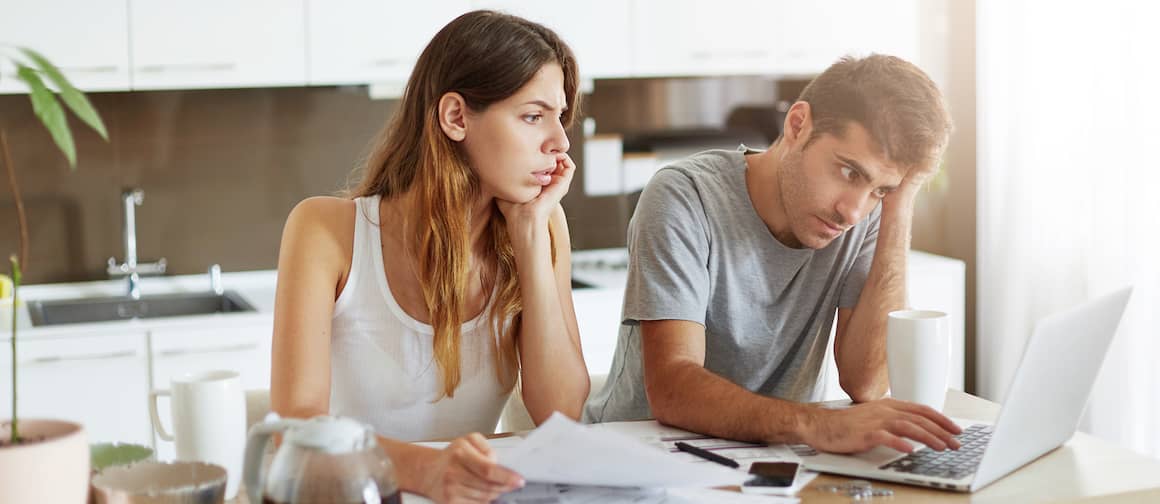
(256, 442)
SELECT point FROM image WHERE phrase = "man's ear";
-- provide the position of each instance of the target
(452, 116)
(799, 124)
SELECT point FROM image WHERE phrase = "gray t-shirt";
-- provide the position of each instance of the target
(698, 251)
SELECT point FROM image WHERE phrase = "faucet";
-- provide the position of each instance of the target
(131, 198)
(215, 279)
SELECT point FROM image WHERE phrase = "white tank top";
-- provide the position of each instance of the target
(382, 367)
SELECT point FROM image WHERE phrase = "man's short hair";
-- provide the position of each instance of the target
(895, 101)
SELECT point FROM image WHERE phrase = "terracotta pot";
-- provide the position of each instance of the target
(52, 467)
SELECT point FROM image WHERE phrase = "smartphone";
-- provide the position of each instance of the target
(773, 474)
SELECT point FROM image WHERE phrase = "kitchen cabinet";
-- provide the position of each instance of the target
(97, 378)
(769, 37)
(816, 34)
(160, 44)
(691, 37)
(88, 40)
(100, 374)
(371, 41)
(597, 31)
(217, 43)
(243, 348)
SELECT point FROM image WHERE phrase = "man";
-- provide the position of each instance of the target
(739, 260)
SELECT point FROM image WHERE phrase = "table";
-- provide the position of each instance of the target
(1085, 469)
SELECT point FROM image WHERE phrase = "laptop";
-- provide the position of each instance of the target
(1041, 412)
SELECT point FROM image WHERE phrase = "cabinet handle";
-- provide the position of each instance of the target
(103, 69)
(218, 349)
(188, 67)
(71, 71)
(83, 357)
(741, 54)
(385, 62)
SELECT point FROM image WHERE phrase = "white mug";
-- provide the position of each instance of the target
(918, 356)
(209, 421)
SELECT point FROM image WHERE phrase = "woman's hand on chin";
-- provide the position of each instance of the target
(524, 219)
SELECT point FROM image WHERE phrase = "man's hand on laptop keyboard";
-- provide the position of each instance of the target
(883, 422)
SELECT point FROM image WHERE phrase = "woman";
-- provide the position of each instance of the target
(416, 305)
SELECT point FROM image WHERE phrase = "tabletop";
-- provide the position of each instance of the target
(1084, 470)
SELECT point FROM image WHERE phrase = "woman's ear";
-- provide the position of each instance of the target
(452, 116)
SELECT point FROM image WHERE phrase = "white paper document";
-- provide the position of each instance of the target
(563, 451)
(665, 438)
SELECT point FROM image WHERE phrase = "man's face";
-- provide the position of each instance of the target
(832, 184)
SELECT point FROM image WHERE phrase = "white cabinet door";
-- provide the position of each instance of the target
(88, 40)
(597, 31)
(694, 37)
(98, 379)
(242, 348)
(368, 41)
(774, 37)
(217, 43)
(813, 35)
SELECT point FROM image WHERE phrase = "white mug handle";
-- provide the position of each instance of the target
(157, 426)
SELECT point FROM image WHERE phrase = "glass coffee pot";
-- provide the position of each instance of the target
(323, 459)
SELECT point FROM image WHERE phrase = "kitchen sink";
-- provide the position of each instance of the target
(577, 284)
(102, 309)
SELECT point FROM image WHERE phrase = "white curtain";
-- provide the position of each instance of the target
(1069, 192)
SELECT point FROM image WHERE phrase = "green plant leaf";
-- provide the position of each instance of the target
(76, 100)
(50, 112)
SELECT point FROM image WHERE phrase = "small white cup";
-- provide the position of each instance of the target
(209, 421)
(918, 356)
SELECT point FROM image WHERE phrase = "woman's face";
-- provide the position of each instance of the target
(516, 144)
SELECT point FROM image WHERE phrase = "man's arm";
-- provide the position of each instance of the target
(682, 393)
(860, 340)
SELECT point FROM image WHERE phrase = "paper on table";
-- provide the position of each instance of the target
(563, 451)
(666, 437)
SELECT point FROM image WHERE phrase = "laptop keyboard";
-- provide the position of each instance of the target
(952, 464)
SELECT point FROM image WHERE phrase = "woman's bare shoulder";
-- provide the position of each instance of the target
(323, 220)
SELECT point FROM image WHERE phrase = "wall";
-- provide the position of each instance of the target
(945, 215)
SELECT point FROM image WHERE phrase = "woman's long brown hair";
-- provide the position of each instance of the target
(484, 56)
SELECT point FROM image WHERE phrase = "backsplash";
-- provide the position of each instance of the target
(220, 170)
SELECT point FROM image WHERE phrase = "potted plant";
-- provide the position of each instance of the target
(42, 460)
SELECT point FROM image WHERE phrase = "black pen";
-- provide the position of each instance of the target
(707, 455)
